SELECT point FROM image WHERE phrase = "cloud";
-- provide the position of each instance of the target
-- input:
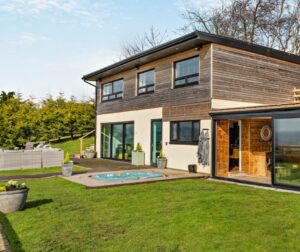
(84, 12)
(30, 38)
(182, 5)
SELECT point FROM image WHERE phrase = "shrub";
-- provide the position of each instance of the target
(67, 158)
(139, 147)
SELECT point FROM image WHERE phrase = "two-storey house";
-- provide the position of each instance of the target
(243, 96)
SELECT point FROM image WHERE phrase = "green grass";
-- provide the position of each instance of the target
(36, 171)
(186, 215)
(73, 146)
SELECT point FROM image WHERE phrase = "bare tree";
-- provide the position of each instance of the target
(140, 43)
(272, 23)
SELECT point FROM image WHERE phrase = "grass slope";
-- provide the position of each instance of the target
(186, 215)
(73, 146)
(36, 171)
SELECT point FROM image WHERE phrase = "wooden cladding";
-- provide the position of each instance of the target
(222, 164)
(164, 94)
(243, 76)
(187, 112)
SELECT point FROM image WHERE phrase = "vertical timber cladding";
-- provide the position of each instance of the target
(239, 75)
(164, 96)
(222, 148)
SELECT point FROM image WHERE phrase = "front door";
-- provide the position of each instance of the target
(156, 139)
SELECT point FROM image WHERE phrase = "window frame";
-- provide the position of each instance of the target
(112, 93)
(147, 86)
(187, 76)
(178, 132)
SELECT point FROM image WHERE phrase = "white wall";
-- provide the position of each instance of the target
(142, 127)
(225, 104)
(180, 156)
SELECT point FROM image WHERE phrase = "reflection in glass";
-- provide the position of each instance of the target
(117, 141)
(105, 139)
(128, 148)
(156, 140)
(287, 151)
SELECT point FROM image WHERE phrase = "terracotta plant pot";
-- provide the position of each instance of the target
(13, 200)
(67, 169)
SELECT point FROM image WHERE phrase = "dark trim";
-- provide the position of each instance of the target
(273, 154)
(214, 147)
(151, 137)
(123, 139)
(178, 133)
(187, 76)
(112, 93)
(202, 38)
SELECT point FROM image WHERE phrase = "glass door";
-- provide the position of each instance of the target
(287, 151)
(156, 140)
(117, 141)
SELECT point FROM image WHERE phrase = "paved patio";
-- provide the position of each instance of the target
(105, 165)
(170, 174)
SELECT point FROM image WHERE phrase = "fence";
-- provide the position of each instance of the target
(25, 159)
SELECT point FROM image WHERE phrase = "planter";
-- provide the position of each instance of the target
(11, 201)
(138, 158)
(192, 168)
(89, 154)
(162, 162)
(67, 169)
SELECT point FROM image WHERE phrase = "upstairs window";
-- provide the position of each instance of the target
(185, 132)
(146, 82)
(186, 72)
(112, 90)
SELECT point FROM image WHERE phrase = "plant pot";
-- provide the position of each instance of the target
(11, 201)
(162, 162)
(138, 158)
(89, 154)
(67, 169)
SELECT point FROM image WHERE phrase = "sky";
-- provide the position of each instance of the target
(46, 46)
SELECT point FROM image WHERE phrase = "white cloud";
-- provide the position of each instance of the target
(30, 38)
(84, 12)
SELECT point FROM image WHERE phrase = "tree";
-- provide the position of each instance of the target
(272, 23)
(6, 96)
(152, 38)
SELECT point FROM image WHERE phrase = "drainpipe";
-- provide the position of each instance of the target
(95, 127)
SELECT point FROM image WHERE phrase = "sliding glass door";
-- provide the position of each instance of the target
(287, 151)
(117, 141)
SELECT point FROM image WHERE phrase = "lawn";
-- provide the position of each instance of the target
(73, 146)
(186, 215)
(37, 171)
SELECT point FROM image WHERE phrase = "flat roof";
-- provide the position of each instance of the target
(183, 43)
(256, 109)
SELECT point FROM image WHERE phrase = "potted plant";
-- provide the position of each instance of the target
(13, 196)
(162, 160)
(67, 166)
(138, 155)
(89, 153)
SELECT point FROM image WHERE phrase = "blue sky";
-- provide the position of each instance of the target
(47, 45)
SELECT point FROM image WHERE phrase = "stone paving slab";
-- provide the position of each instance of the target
(170, 174)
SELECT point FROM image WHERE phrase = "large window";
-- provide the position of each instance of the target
(287, 151)
(117, 141)
(186, 72)
(184, 132)
(146, 82)
(112, 90)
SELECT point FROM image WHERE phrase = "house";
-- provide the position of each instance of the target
(244, 95)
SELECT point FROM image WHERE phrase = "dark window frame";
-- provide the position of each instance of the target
(187, 76)
(115, 94)
(147, 86)
(178, 141)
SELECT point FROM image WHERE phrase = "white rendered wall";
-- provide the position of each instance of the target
(180, 156)
(225, 104)
(142, 127)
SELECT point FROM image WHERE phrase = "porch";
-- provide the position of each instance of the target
(258, 145)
